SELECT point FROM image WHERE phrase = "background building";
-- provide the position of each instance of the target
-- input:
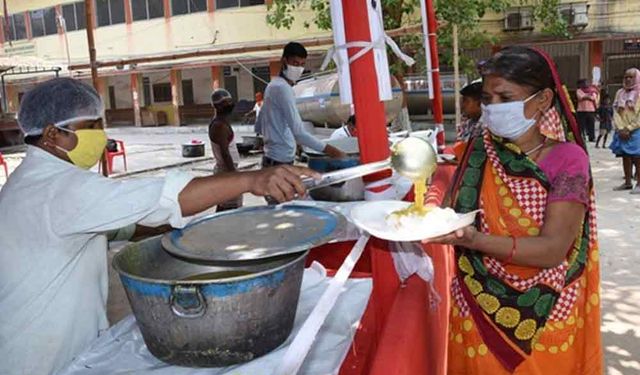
(606, 35)
(164, 90)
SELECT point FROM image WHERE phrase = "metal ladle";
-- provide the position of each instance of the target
(411, 157)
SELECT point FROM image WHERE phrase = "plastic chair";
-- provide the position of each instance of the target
(111, 155)
(4, 165)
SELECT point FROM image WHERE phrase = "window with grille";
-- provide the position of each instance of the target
(69, 15)
(221, 4)
(146, 91)
(43, 22)
(18, 27)
(147, 9)
(179, 7)
(161, 92)
(109, 12)
(263, 75)
(187, 91)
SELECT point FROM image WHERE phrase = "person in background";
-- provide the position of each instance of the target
(255, 112)
(347, 130)
(605, 117)
(258, 105)
(279, 121)
(54, 213)
(471, 126)
(525, 296)
(225, 151)
(626, 139)
(588, 98)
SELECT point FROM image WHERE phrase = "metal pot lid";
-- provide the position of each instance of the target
(254, 233)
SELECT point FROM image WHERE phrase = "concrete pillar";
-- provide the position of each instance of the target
(167, 9)
(595, 58)
(12, 98)
(176, 96)
(211, 6)
(27, 24)
(3, 38)
(59, 13)
(136, 97)
(128, 15)
(274, 68)
(103, 90)
(217, 77)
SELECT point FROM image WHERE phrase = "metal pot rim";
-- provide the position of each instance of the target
(114, 264)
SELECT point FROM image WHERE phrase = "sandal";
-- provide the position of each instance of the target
(624, 187)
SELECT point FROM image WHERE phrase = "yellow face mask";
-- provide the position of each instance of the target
(89, 149)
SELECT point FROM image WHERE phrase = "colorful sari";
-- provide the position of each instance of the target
(509, 319)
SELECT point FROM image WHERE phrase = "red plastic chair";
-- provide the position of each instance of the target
(4, 165)
(111, 155)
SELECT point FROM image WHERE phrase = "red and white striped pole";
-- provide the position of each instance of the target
(369, 109)
(436, 101)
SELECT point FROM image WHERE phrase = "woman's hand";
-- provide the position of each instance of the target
(624, 134)
(465, 237)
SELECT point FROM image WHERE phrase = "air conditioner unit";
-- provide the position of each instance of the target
(567, 15)
(580, 15)
(526, 21)
(575, 15)
(518, 19)
(512, 21)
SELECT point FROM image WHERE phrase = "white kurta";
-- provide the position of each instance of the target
(53, 261)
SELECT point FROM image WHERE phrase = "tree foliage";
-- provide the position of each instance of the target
(467, 14)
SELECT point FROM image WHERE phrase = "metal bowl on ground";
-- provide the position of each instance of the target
(255, 140)
(351, 190)
(192, 150)
(199, 314)
(224, 289)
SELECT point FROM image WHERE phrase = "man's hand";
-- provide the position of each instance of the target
(282, 183)
(334, 152)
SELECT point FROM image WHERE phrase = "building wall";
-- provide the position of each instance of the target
(199, 30)
(201, 78)
(619, 16)
(122, 85)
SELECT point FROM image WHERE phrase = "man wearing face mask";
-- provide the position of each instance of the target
(54, 213)
(279, 121)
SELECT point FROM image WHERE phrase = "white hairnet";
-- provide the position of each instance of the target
(59, 102)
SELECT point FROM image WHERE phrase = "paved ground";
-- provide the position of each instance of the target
(618, 221)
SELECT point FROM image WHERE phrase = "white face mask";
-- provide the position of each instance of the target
(293, 73)
(507, 120)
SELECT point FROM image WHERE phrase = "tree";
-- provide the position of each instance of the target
(466, 14)
(282, 15)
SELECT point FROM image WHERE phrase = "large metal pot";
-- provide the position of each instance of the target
(228, 313)
(351, 190)
(318, 101)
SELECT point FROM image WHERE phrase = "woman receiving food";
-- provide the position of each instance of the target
(525, 295)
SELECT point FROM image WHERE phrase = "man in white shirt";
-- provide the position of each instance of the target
(279, 121)
(54, 214)
(348, 130)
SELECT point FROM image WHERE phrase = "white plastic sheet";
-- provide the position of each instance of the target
(378, 43)
(121, 350)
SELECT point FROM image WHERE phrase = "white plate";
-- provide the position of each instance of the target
(446, 158)
(372, 218)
